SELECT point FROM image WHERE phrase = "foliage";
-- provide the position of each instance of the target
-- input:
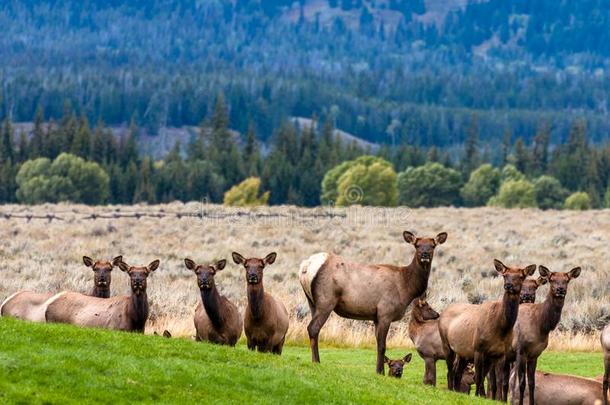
(431, 185)
(549, 193)
(510, 172)
(481, 186)
(246, 194)
(578, 201)
(515, 194)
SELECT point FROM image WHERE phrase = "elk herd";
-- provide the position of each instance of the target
(497, 341)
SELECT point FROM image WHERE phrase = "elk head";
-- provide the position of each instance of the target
(424, 247)
(205, 273)
(468, 376)
(513, 276)
(102, 271)
(138, 275)
(559, 281)
(528, 290)
(424, 311)
(395, 366)
(254, 266)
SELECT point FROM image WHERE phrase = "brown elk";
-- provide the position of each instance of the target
(395, 367)
(529, 288)
(605, 339)
(29, 305)
(535, 322)
(482, 333)
(217, 319)
(379, 293)
(558, 389)
(266, 318)
(125, 312)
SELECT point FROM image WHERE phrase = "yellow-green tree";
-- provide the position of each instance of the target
(246, 194)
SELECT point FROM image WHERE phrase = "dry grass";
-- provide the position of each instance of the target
(47, 256)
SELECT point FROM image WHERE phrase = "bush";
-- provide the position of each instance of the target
(510, 172)
(578, 201)
(481, 186)
(549, 193)
(431, 185)
(67, 178)
(368, 180)
(245, 194)
(515, 194)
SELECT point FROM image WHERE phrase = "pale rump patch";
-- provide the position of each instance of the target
(308, 270)
(10, 297)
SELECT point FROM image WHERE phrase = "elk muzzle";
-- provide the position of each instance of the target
(528, 298)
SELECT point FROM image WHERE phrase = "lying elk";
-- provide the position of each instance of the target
(558, 389)
(395, 367)
(217, 319)
(605, 339)
(482, 333)
(380, 293)
(125, 312)
(423, 331)
(29, 305)
(535, 322)
(266, 318)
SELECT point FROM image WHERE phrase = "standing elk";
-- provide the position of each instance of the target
(531, 332)
(529, 289)
(125, 312)
(217, 319)
(482, 333)
(605, 339)
(395, 367)
(30, 306)
(379, 293)
(266, 318)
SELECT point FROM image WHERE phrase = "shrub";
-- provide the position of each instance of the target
(431, 185)
(481, 186)
(578, 201)
(515, 194)
(510, 172)
(549, 193)
(246, 194)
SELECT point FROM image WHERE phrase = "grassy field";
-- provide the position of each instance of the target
(63, 364)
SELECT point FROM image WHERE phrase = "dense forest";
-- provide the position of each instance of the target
(394, 72)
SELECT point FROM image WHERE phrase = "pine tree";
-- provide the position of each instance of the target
(540, 150)
(81, 144)
(523, 160)
(471, 145)
(7, 147)
(507, 141)
(251, 154)
(38, 147)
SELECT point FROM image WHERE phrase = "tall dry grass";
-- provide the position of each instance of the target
(47, 257)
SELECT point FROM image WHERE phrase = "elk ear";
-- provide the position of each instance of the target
(386, 360)
(407, 358)
(189, 264)
(124, 266)
(166, 334)
(544, 272)
(500, 267)
(237, 258)
(270, 258)
(574, 273)
(117, 260)
(220, 264)
(541, 281)
(530, 270)
(154, 265)
(441, 238)
(409, 237)
(88, 261)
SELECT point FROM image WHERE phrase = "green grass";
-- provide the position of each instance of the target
(62, 364)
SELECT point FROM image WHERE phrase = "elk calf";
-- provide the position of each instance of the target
(217, 319)
(29, 305)
(125, 312)
(605, 339)
(395, 366)
(266, 318)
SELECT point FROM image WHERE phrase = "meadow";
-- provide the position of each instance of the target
(47, 256)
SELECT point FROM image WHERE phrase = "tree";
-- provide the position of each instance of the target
(246, 194)
(523, 160)
(549, 193)
(510, 172)
(431, 185)
(471, 146)
(481, 186)
(515, 194)
(578, 201)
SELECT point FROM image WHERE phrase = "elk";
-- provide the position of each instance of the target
(482, 333)
(529, 288)
(28, 305)
(124, 312)
(266, 318)
(217, 319)
(380, 293)
(395, 367)
(423, 331)
(605, 339)
(558, 389)
(535, 322)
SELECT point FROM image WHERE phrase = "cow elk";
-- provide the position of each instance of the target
(379, 293)
(529, 288)
(217, 319)
(266, 318)
(395, 367)
(605, 339)
(125, 312)
(482, 333)
(30, 306)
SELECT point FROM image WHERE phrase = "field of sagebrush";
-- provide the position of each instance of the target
(47, 256)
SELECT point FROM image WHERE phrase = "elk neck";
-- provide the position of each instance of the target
(416, 277)
(138, 309)
(100, 292)
(551, 313)
(256, 299)
(211, 304)
(510, 310)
